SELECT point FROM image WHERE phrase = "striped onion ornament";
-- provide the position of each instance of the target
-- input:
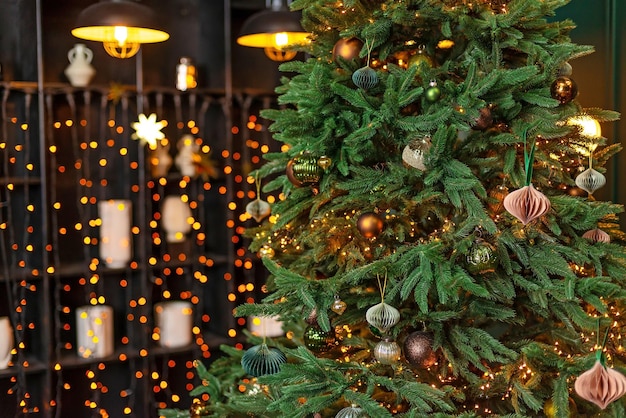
(590, 180)
(351, 412)
(382, 316)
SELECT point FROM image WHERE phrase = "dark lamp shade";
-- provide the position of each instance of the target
(272, 29)
(119, 24)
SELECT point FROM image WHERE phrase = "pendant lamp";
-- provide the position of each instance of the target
(121, 25)
(275, 30)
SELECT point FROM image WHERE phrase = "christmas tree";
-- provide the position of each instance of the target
(437, 249)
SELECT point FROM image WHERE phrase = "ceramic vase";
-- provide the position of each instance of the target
(6, 342)
(160, 160)
(115, 232)
(175, 216)
(94, 331)
(187, 150)
(80, 71)
(174, 320)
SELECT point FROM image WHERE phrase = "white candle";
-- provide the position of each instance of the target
(94, 331)
(115, 235)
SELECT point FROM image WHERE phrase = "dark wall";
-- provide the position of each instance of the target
(196, 30)
(17, 45)
(599, 76)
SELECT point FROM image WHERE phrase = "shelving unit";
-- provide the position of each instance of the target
(49, 237)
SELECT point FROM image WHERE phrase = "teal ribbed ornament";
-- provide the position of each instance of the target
(365, 77)
(261, 360)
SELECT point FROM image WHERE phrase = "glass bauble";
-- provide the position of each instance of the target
(565, 69)
(420, 59)
(338, 306)
(370, 224)
(564, 89)
(433, 92)
(414, 153)
(324, 162)
(551, 412)
(418, 349)
(387, 352)
(348, 49)
(318, 340)
(303, 169)
(484, 119)
(481, 257)
(199, 409)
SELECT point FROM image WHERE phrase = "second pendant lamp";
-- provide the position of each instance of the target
(275, 30)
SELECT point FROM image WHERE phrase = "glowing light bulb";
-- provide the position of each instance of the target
(281, 39)
(121, 34)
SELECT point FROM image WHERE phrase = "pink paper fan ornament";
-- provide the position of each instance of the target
(527, 204)
(597, 235)
(600, 385)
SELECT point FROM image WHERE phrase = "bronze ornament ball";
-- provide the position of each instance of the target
(370, 225)
(484, 120)
(418, 350)
(564, 89)
(348, 49)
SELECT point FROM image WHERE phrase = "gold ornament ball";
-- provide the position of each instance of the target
(564, 89)
(324, 162)
(550, 410)
(348, 49)
(302, 170)
(420, 59)
(199, 409)
(370, 225)
(338, 306)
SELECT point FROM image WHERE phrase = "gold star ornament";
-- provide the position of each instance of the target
(148, 130)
